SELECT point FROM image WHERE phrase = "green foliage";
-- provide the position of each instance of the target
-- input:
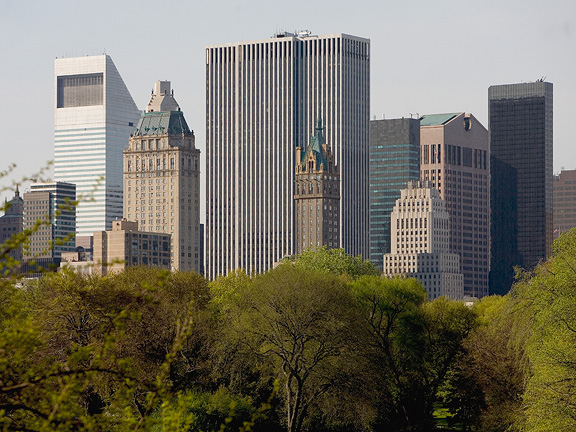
(205, 411)
(550, 290)
(100, 351)
(488, 384)
(411, 346)
(333, 261)
(296, 324)
(148, 349)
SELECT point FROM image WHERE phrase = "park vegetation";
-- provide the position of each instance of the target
(320, 343)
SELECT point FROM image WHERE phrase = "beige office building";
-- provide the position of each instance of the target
(455, 159)
(125, 246)
(317, 196)
(564, 202)
(420, 242)
(161, 178)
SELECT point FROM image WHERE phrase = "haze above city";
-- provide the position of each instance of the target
(426, 57)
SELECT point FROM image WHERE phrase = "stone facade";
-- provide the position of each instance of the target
(11, 223)
(125, 246)
(564, 202)
(317, 196)
(421, 242)
(455, 160)
(162, 178)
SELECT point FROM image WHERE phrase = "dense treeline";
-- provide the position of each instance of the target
(320, 343)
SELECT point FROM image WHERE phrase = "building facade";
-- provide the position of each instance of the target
(455, 160)
(125, 246)
(521, 224)
(262, 101)
(394, 161)
(421, 242)
(317, 196)
(50, 212)
(94, 116)
(564, 202)
(11, 224)
(162, 178)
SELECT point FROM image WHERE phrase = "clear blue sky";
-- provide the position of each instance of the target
(427, 56)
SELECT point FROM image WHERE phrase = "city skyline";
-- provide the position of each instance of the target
(406, 77)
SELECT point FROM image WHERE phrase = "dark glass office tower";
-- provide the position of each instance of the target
(394, 160)
(521, 226)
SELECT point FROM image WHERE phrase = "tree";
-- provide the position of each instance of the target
(333, 261)
(550, 291)
(103, 351)
(299, 324)
(411, 346)
(487, 386)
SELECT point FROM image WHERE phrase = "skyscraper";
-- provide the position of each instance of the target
(94, 116)
(11, 223)
(521, 225)
(421, 242)
(394, 161)
(454, 159)
(317, 195)
(50, 207)
(262, 100)
(564, 202)
(161, 177)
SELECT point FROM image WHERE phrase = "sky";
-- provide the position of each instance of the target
(427, 56)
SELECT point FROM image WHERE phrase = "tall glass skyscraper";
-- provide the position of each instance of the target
(94, 116)
(521, 183)
(394, 161)
(262, 101)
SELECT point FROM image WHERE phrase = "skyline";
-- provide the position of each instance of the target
(425, 59)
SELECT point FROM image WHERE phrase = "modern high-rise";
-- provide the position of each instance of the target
(162, 178)
(50, 212)
(564, 202)
(317, 196)
(94, 116)
(394, 161)
(420, 242)
(521, 224)
(455, 159)
(262, 101)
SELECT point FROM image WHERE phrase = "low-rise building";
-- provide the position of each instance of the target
(126, 246)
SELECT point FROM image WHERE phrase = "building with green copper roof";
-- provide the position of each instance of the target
(317, 195)
(162, 178)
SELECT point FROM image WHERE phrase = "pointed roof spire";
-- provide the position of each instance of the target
(315, 145)
(17, 193)
(319, 128)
